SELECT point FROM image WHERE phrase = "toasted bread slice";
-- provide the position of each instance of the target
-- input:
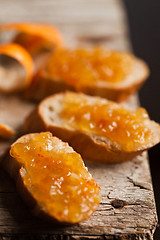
(98, 129)
(45, 170)
(99, 72)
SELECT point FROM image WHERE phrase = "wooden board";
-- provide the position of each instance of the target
(127, 210)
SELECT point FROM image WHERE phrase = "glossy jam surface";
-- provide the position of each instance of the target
(108, 119)
(57, 178)
(84, 67)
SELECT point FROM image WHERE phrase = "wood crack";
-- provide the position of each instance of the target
(135, 184)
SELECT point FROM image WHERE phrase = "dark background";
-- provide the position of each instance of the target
(144, 24)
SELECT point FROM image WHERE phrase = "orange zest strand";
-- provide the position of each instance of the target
(23, 57)
(33, 36)
(6, 131)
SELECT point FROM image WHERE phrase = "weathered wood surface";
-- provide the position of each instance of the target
(133, 216)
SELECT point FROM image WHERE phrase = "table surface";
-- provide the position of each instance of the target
(82, 23)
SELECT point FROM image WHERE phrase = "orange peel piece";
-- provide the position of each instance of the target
(23, 57)
(6, 131)
(33, 36)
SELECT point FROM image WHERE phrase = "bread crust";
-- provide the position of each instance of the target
(89, 145)
(118, 92)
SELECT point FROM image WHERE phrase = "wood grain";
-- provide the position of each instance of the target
(127, 210)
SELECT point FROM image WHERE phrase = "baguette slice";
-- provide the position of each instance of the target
(94, 134)
(52, 178)
(90, 72)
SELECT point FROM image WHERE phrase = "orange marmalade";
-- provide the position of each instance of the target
(56, 177)
(105, 118)
(86, 66)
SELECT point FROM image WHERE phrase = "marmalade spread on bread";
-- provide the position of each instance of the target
(105, 118)
(88, 66)
(56, 177)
